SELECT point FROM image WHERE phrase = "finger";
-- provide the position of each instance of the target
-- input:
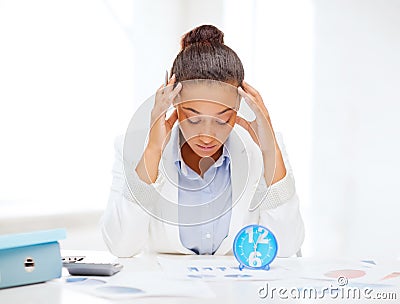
(256, 104)
(247, 126)
(163, 88)
(243, 123)
(250, 89)
(244, 94)
(250, 100)
(169, 86)
(163, 99)
(167, 96)
(172, 80)
(175, 91)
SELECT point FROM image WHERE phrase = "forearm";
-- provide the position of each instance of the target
(283, 188)
(147, 168)
(274, 166)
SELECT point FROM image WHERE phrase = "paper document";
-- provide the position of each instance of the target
(127, 285)
(216, 268)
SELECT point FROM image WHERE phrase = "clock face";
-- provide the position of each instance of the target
(255, 247)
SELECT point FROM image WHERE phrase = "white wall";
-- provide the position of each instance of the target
(66, 82)
(355, 156)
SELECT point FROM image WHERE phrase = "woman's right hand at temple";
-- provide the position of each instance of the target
(160, 127)
(160, 131)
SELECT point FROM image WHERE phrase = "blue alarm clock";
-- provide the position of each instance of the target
(255, 247)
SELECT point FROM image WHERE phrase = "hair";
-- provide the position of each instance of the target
(204, 55)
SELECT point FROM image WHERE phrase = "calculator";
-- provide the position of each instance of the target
(83, 265)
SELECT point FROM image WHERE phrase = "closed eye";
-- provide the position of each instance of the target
(221, 122)
(194, 121)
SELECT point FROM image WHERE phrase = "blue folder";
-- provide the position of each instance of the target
(28, 258)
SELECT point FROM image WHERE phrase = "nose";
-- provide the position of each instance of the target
(207, 132)
(206, 139)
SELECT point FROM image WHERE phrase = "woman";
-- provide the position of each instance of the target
(205, 171)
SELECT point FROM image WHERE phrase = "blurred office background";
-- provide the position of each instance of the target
(73, 72)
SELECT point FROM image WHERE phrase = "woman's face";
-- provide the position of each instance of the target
(206, 115)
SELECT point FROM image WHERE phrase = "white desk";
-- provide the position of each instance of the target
(243, 292)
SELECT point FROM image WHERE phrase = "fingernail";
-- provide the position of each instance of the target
(173, 76)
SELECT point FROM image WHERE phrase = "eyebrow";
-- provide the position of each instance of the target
(197, 112)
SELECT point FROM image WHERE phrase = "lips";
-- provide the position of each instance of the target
(206, 148)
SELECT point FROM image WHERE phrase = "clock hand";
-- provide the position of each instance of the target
(258, 239)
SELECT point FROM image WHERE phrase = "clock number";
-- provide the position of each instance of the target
(254, 259)
(249, 231)
(262, 239)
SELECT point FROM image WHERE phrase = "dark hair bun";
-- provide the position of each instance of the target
(204, 34)
(205, 56)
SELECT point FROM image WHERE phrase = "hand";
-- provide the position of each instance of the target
(160, 128)
(160, 131)
(260, 129)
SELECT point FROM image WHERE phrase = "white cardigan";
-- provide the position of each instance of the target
(128, 228)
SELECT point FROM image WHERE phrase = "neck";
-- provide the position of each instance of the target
(197, 163)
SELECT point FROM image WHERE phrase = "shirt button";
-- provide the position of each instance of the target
(208, 235)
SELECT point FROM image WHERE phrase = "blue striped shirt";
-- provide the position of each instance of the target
(204, 204)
